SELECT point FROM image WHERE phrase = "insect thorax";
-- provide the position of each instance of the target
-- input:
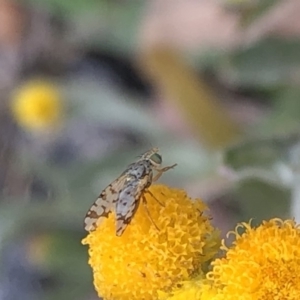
(139, 169)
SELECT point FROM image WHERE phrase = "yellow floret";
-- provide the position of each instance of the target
(263, 263)
(144, 261)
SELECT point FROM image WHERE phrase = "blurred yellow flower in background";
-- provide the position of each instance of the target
(144, 261)
(263, 263)
(37, 105)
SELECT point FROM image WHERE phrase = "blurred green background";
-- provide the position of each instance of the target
(87, 86)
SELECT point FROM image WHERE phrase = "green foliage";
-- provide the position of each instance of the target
(271, 62)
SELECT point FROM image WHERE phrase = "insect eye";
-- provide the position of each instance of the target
(156, 158)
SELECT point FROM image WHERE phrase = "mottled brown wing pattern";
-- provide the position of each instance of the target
(128, 203)
(104, 204)
(124, 194)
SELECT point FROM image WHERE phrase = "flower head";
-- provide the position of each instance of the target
(191, 290)
(37, 105)
(144, 261)
(264, 263)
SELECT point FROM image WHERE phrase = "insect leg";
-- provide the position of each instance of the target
(148, 191)
(161, 171)
(148, 213)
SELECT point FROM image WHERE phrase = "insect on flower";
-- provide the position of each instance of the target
(124, 194)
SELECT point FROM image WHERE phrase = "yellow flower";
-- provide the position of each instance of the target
(190, 290)
(144, 261)
(37, 105)
(263, 263)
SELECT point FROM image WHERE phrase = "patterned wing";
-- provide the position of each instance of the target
(104, 204)
(128, 203)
